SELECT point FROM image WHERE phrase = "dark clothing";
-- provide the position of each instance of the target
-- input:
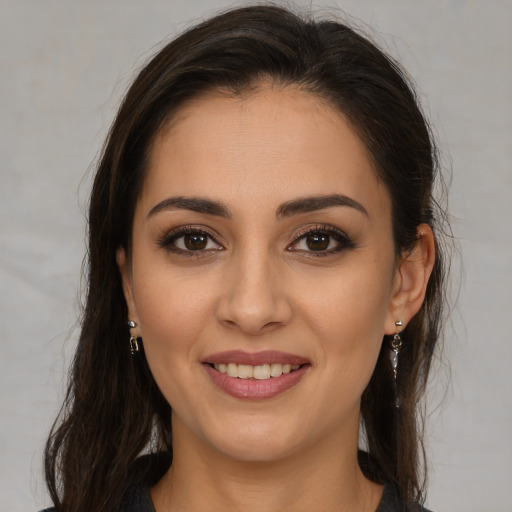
(137, 499)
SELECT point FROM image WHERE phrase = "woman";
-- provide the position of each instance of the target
(265, 284)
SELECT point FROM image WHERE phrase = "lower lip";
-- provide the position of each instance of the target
(253, 388)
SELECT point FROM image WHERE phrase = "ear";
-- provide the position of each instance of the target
(126, 277)
(411, 279)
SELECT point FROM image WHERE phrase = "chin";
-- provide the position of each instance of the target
(255, 443)
(257, 452)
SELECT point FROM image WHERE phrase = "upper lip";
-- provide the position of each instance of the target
(255, 358)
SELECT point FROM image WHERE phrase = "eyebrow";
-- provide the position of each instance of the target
(195, 204)
(314, 203)
(293, 207)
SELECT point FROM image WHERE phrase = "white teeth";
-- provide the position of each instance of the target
(259, 372)
(232, 370)
(245, 371)
(276, 370)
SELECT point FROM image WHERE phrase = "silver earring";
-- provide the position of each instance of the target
(134, 344)
(396, 345)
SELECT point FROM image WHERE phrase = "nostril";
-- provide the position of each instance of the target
(230, 324)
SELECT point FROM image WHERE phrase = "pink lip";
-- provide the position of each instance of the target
(254, 358)
(253, 388)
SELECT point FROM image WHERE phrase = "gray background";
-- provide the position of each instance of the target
(64, 65)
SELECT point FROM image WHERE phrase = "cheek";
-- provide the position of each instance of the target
(173, 311)
(171, 307)
(173, 318)
(349, 300)
(347, 312)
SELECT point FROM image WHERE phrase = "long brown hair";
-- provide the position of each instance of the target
(113, 409)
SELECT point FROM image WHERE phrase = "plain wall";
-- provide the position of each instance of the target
(64, 65)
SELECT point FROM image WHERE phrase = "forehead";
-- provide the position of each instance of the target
(273, 143)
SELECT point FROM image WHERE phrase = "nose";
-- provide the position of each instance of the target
(254, 298)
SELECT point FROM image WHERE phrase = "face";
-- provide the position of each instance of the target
(262, 273)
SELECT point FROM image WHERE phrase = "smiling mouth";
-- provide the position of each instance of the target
(255, 375)
(257, 372)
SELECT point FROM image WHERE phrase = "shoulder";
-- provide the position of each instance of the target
(390, 502)
(135, 499)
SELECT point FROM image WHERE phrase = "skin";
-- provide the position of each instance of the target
(256, 286)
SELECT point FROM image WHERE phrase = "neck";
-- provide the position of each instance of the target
(325, 477)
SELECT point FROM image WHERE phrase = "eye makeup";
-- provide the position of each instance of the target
(321, 240)
(318, 240)
(190, 241)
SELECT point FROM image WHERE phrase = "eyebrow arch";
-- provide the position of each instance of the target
(195, 204)
(314, 203)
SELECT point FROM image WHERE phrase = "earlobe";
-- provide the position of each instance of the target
(124, 269)
(411, 279)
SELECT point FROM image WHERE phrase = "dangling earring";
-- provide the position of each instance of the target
(396, 345)
(134, 345)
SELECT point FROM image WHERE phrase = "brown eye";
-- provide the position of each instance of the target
(195, 241)
(188, 240)
(317, 241)
(322, 241)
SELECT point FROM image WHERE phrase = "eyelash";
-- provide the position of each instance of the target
(340, 237)
(169, 240)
